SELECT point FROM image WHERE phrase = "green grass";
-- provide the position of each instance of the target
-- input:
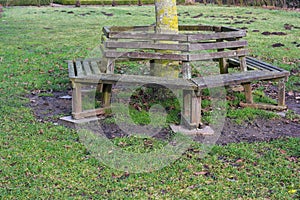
(46, 161)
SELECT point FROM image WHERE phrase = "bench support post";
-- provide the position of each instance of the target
(186, 70)
(106, 95)
(281, 92)
(223, 65)
(248, 93)
(243, 65)
(76, 100)
(191, 111)
(196, 109)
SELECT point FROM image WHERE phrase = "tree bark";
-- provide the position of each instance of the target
(166, 23)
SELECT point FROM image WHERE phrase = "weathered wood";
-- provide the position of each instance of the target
(243, 65)
(144, 55)
(199, 28)
(214, 55)
(95, 68)
(176, 83)
(146, 45)
(263, 106)
(234, 79)
(281, 92)
(89, 113)
(76, 99)
(222, 61)
(217, 45)
(214, 36)
(106, 94)
(79, 70)
(109, 29)
(86, 67)
(228, 29)
(248, 92)
(186, 70)
(71, 69)
(253, 63)
(196, 109)
(152, 36)
(186, 103)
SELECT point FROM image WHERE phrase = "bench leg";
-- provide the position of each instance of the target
(196, 109)
(248, 93)
(76, 100)
(106, 95)
(243, 64)
(186, 70)
(223, 66)
(191, 111)
(281, 92)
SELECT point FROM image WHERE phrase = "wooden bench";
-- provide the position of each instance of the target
(141, 43)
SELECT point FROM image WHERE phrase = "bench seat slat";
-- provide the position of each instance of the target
(95, 67)
(235, 78)
(86, 67)
(136, 79)
(79, 69)
(258, 62)
(71, 69)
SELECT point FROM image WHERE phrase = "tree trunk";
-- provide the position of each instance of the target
(77, 3)
(166, 23)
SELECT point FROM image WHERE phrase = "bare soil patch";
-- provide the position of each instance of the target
(50, 107)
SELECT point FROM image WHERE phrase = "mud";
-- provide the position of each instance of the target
(52, 106)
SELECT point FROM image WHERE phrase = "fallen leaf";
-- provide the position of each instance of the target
(200, 173)
(282, 151)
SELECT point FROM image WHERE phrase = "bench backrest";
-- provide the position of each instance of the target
(189, 45)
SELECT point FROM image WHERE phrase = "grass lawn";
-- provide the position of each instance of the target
(41, 160)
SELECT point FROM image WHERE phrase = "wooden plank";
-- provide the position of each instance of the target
(95, 67)
(106, 94)
(151, 36)
(219, 35)
(186, 70)
(186, 103)
(86, 67)
(79, 69)
(76, 99)
(281, 92)
(257, 64)
(71, 69)
(235, 78)
(89, 113)
(263, 106)
(217, 45)
(226, 29)
(196, 109)
(214, 55)
(255, 61)
(106, 31)
(243, 65)
(199, 28)
(177, 83)
(145, 55)
(248, 92)
(130, 28)
(146, 45)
